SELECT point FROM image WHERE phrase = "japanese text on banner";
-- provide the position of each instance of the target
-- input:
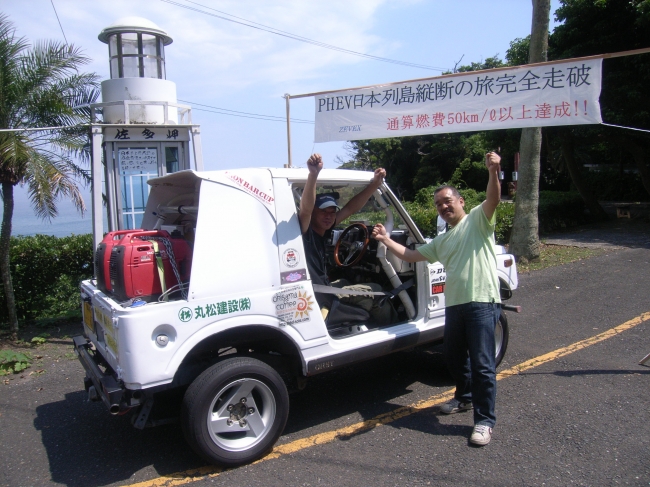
(533, 96)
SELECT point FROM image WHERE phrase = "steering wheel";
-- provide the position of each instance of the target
(353, 247)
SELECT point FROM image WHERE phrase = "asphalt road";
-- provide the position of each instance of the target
(581, 418)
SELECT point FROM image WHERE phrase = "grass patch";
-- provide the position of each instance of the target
(553, 255)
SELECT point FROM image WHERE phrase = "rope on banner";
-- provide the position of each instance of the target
(622, 127)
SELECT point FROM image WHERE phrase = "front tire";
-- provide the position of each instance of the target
(234, 412)
(501, 335)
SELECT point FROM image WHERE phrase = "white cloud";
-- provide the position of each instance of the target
(248, 56)
(212, 55)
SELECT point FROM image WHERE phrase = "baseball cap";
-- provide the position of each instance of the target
(325, 201)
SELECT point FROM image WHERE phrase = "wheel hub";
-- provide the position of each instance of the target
(238, 413)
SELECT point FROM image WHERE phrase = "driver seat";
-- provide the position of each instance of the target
(341, 314)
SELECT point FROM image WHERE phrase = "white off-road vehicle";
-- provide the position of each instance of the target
(211, 300)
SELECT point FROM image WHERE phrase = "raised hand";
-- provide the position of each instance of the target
(315, 163)
(493, 161)
(380, 174)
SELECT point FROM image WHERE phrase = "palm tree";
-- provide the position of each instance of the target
(40, 86)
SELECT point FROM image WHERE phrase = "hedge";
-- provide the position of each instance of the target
(46, 272)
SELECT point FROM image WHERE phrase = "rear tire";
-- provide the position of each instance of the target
(501, 335)
(234, 412)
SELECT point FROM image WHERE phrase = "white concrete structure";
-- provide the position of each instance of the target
(139, 130)
(136, 48)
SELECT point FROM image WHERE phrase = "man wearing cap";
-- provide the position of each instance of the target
(319, 214)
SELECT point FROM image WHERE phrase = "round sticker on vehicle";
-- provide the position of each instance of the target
(291, 258)
(185, 315)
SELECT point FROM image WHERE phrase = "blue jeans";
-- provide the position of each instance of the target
(470, 355)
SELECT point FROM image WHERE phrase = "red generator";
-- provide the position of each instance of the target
(103, 259)
(133, 267)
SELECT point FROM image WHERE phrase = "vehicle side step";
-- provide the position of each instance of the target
(346, 330)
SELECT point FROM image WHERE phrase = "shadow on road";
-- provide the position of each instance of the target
(423, 420)
(369, 388)
(87, 447)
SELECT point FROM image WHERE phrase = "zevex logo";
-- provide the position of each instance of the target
(350, 128)
(260, 195)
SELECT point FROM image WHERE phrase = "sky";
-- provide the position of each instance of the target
(229, 66)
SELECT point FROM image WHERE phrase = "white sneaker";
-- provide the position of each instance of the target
(481, 435)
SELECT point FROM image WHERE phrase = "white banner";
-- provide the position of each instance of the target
(535, 96)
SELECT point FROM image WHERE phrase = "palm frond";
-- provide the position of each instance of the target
(43, 86)
(14, 156)
(47, 180)
(51, 60)
(11, 49)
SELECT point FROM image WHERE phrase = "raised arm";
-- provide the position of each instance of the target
(493, 191)
(404, 253)
(308, 198)
(357, 202)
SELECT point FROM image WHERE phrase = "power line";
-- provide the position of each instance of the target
(235, 113)
(273, 30)
(242, 116)
(57, 18)
(39, 129)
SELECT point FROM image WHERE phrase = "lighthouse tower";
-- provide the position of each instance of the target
(139, 130)
(136, 50)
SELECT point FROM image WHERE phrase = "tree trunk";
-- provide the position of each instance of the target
(524, 240)
(5, 234)
(576, 176)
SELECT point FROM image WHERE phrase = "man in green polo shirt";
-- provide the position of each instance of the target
(472, 296)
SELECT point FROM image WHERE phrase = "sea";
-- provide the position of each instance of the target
(68, 222)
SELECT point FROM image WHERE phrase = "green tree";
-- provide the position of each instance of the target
(598, 27)
(399, 156)
(517, 53)
(413, 163)
(40, 86)
(489, 63)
